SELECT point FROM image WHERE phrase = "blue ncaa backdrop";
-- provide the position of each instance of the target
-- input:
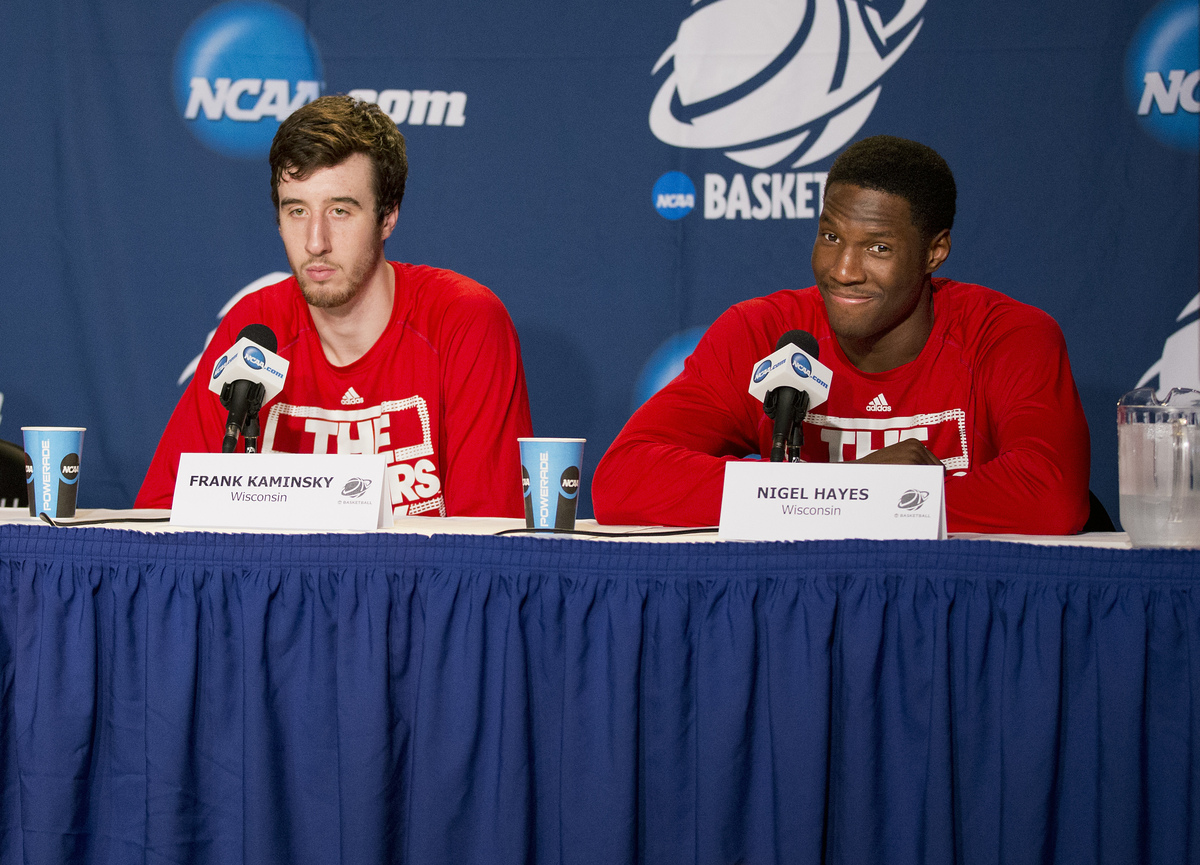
(618, 173)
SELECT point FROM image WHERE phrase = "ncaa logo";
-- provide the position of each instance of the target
(355, 487)
(241, 69)
(568, 483)
(253, 357)
(1162, 74)
(219, 365)
(674, 195)
(801, 365)
(760, 371)
(766, 81)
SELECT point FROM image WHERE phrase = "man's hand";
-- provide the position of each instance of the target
(909, 452)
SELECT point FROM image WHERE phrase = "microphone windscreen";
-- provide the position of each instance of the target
(802, 339)
(265, 337)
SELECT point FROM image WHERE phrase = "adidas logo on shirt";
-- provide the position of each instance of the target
(350, 397)
(879, 404)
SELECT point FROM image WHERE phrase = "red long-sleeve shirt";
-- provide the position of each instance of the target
(991, 395)
(442, 393)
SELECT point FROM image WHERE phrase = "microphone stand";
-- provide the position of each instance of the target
(796, 433)
(779, 406)
(254, 401)
(250, 429)
(250, 432)
(788, 413)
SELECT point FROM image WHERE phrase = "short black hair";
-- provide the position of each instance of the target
(909, 169)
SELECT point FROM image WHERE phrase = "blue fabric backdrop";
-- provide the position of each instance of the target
(130, 226)
(372, 698)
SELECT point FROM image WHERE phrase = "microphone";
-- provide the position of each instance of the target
(783, 403)
(246, 376)
(789, 381)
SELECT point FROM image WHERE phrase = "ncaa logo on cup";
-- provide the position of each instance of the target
(1162, 74)
(241, 68)
(253, 357)
(674, 195)
(765, 82)
(568, 483)
(760, 371)
(801, 365)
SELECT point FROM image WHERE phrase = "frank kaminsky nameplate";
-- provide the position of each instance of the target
(282, 491)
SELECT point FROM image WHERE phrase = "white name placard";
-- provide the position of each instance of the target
(282, 491)
(829, 501)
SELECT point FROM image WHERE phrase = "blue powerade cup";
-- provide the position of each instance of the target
(52, 468)
(550, 471)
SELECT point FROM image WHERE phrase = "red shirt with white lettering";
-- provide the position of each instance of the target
(991, 395)
(442, 393)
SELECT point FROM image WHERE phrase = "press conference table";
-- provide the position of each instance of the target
(437, 694)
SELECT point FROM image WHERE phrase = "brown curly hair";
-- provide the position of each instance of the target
(329, 130)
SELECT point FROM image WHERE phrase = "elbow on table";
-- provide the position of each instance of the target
(641, 493)
(1069, 518)
(149, 497)
(1061, 507)
(628, 488)
(1049, 514)
(612, 492)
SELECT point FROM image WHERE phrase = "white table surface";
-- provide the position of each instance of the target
(489, 525)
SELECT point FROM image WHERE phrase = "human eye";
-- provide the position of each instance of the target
(295, 211)
(829, 237)
(881, 248)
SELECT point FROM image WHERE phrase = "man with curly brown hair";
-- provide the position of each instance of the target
(415, 362)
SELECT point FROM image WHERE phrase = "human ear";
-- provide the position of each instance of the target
(937, 251)
(389, 222)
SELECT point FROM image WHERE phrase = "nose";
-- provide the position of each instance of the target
(316, 241)
(847, 266)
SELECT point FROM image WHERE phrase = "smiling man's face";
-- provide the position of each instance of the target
(872, 267)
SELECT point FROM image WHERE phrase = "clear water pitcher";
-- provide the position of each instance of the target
(1158, 445)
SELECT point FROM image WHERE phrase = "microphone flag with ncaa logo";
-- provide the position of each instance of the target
(791, 366)
(247, 360)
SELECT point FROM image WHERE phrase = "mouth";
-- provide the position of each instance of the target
(319, 272)
(846, 297)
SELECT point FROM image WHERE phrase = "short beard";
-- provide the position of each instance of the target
(355, 281)
(329, 301)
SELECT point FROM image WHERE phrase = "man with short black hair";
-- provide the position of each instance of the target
(925, 371)
(411, 361)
